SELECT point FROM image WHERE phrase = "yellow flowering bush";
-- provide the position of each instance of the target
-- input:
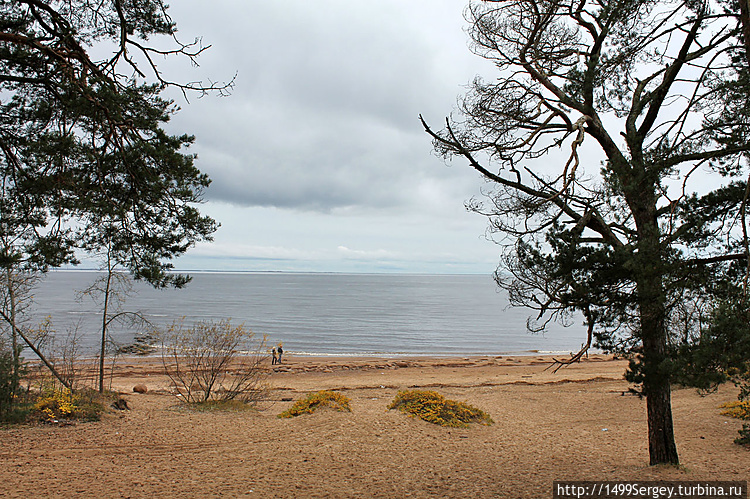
(323, 398)
(434, 408)
(736, 409)
(58, 405)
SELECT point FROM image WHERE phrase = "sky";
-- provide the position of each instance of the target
(317, 158)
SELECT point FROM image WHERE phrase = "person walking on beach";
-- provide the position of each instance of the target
(281, 351)
(273, 356)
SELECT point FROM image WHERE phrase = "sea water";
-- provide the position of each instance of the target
(321, 314)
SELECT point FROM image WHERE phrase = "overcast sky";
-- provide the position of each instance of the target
(318, 160)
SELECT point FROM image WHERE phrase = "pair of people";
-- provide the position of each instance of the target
(276, 354)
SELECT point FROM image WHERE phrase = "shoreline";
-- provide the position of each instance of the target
(300, 373)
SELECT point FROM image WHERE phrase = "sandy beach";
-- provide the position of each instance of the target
(576, 424)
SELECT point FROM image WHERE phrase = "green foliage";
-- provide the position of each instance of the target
(744, 438)
(435, 408)
(10, 378)
(323, 398)
(722, 350)
(85, 160)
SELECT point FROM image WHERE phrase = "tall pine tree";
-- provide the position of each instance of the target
(616, 143)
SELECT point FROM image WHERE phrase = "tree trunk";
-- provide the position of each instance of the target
(656, 385)
(649, 273)
(14, 335)
(105, 313)
(745, 20)
(661, 445)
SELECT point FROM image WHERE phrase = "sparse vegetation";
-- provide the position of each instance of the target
(435, 408)
(214, 361)
(323, 398)
(736, 409)
(222, 406)
(739, 409)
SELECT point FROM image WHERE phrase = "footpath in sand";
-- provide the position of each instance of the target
(576, 424)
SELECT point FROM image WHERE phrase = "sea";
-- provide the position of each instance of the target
(319, 314)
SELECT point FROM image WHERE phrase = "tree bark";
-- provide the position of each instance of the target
(649, 275)
(105, 313)
(661, 444)
(745, 20)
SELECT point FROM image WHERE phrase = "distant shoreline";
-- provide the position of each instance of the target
(289, 272)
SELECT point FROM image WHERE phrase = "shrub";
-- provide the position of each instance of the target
(434, 408)
(737, 409)
(744, 438)
(323, 398)
(214, 361)
(57, 405)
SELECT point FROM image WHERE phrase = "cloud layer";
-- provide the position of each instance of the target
(323, 119)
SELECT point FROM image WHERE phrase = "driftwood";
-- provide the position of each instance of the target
(558, 364)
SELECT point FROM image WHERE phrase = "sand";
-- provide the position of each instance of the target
(575, 424)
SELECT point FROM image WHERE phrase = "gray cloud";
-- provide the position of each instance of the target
(324, 112)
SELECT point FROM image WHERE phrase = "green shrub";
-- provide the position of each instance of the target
(434, 408)
(9, 383)
(744, 438)
(323, 398)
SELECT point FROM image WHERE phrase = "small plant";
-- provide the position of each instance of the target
(434, 408)
(739, 409)
(323, 398)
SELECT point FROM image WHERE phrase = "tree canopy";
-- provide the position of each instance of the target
(615, 139)
(85, 162)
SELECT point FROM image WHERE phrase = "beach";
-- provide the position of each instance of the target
(579, 423)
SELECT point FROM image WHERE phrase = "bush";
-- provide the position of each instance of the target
(323, 398)
(434, 408)
(57, 405)
(214, 361)
(737, 409)
(744, 438)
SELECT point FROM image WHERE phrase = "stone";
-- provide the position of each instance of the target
(140, 389)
